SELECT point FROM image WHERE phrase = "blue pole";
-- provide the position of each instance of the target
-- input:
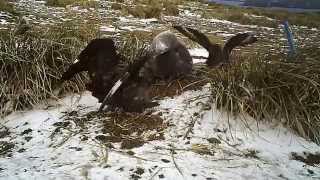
(288, 31)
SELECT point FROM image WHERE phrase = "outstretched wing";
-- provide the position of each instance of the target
(241, 39)
(196, 36)
(202, 39)
(105, 48)
(187, 34)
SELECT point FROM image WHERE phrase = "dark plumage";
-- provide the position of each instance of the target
(168, 57)
(105, 66)
(217, 54)
(100, 59)
(131, 90)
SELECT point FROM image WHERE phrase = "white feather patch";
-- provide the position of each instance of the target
(75, 61)
(114, 88)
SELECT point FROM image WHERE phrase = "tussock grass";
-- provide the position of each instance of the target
(273, 89)
(132, 47)
(145, 11)
(32, 63)
(240, 15)
(7, 7)
(151, 8)
(64, 3)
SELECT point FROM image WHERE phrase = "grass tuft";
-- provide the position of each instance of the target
(32, 63)
(273, 89)
(154, 8)
(243, 16)
(64, 3)
(7, 7)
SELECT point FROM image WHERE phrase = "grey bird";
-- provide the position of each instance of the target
(168, 57)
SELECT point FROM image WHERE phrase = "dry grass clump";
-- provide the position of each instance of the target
(117, 6)
(145, 11)
(7, 7)
(242, 15)
(194, 81)
(154, 8)
(310, 19)
(236, 14)
(32, 63)
(64, 3)
(273, 89)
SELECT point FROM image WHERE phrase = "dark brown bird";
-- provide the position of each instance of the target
(217, 54)
(100, 59)
(131, 90)
(105, 67)
(167, 58)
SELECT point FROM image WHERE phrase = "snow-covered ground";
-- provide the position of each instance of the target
(201, 143)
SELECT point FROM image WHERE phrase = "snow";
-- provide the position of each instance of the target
(199, 52)
(225, 34)
(150, 20)
(41, 160)
(213, 20)
(59, 157)
(189, 13)
(133, 28)
(3, 21)
(108, 29)
(4, 17)
(259, 17)
(77, 8)
(68, 157)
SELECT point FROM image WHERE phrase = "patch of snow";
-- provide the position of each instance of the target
(134, 28)
(46, 158)
(77, 9)
(212, 20)
(261, 17)
(124, 19)
(190, 14)
(198, 52)
(150, 20)
(3, 22)
(108, 29)
(225, 34)
(68, 157)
